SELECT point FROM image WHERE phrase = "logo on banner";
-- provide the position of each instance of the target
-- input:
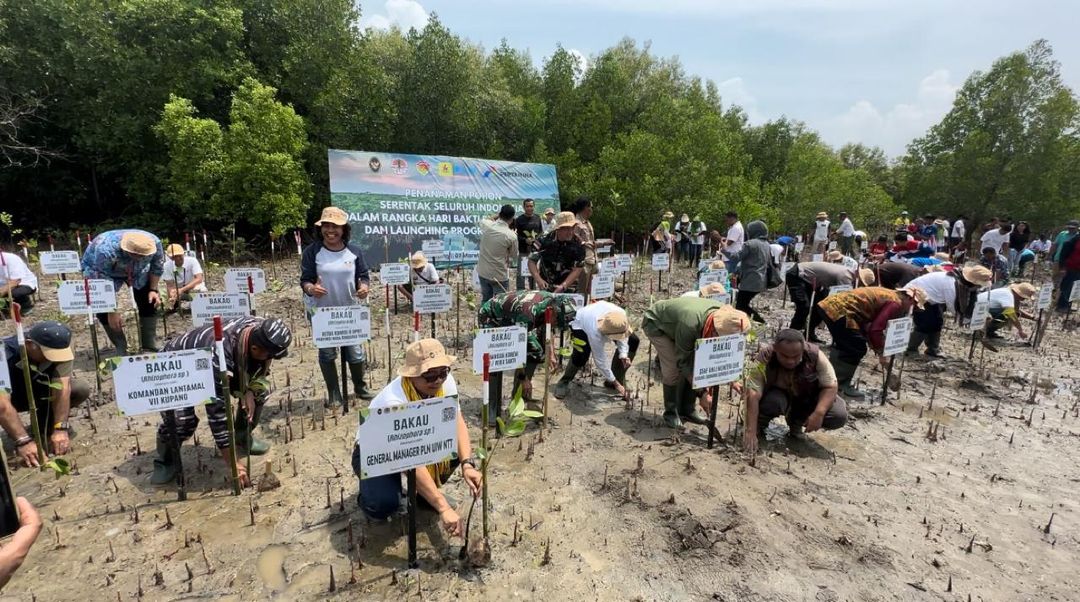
(446, 168)
(490, 170)
(374, 164)
(423, 167)
(400, 166)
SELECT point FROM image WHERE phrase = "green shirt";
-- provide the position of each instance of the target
(680, 319)
(1059, 240)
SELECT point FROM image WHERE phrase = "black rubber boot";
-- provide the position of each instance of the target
(562, 388)
(671, 406)
(916, 341)
(333, 385)
(356, 372)
(844, 373)
(933, 344)
(164, 465)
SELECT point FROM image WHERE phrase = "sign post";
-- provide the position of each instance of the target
(342, 327)
(660, 263)
(979, 313)
(718, 360)
(223, 378)
(35, 426)
(1046, 293)
(896, 341)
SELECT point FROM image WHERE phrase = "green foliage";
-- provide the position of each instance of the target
(516, 414)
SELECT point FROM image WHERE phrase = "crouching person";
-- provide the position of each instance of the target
(794, 379)
(250, 344)
(593, 327)
(425, 375)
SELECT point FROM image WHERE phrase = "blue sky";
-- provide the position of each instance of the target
(873, 71)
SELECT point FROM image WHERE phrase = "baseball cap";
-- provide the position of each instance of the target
(273, 336)
(54, 340)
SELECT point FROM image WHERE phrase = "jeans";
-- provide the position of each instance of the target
(1014, 259)
(1070, 277)
(354, 354)
(684, 249)
(380, 497)
(695, 253)
(490, 288)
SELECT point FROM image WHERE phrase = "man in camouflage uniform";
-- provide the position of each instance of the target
(528, 309)
(560, 257)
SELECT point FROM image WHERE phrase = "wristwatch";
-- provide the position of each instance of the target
(60, 426)
(470, 462)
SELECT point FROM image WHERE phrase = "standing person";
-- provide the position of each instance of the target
(1018, 240)
(1072, 228)
(528, 309)
(942, 236)
(846, 235)
(674, 326)
(733, 241)
(423, 273)
(902, 222)
(753, 262)
(48, 347)
(425, 375)
(593, 327)
(185, 276)
(18, 282)
(333, 274)
(944, 291)
(529, 228)
(1069, 263)
(682, 238)
(548, 222)
(559, 261)
(794, 379)
(820, 236)
(857, 319)
(251, 344)
(134, 258)
(498, 248)
(583, 231)
(959, 231)
(697, 239)
(801, 281)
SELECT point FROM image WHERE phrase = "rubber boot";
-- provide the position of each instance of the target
(618, 370)
(671, 406)
(256, 446)
(933, 344)
(356, 372)
(916, 340)
(688, 409)
(494, 398)
(148, 333)
(164, 465)
(562, 388)
(844, 373)
(117, 338)
(333, 386)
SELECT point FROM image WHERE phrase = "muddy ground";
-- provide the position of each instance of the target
(944, 493)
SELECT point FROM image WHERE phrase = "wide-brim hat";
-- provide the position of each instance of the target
(834, 256)
(54, 340)
(418, 261)
(668, 215)
(934, 267)
(333, 215)
(728, 320)
(173, 250)
(685, 218)
(1024, 290)
(138, 243)
(822, 215)
(614, 325)
(549, 211)
(423, 355)
(565, 219)
(717, 265)
(712, 288)
(917, 294)
(977, 275)
(866, 277)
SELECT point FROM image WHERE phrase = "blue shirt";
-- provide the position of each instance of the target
(105, 259)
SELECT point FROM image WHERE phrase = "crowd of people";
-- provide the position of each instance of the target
(834, 275)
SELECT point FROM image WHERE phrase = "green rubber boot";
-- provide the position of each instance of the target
(118, 339)
(562, 388)
(333, 385)
(356, 372)
(164, 465)
(844, 373)
(256, 446)
(688, 408)
(671, 406)
(148, 333)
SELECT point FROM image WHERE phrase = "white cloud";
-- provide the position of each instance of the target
(582, 61)
(405, 14)
(735, 92)
(894, 128)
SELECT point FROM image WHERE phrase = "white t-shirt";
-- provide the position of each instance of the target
(1000, 298)
(940, 288)
(700, 238)
(394, 395)
(587, 320)
(777, 253)
(183, 274)
(847, 229)
(18, 271)
(995, 239)
(736, 236)
(958, 229)
(821, 230)
(427, 275)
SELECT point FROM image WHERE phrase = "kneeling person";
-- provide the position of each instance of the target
(593, 327)
(794, 379)
(186, 277)
(251, 344)
(425, 375)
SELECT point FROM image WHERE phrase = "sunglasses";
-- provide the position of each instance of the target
(435, 376)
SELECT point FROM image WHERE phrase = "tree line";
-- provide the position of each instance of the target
(191, 114)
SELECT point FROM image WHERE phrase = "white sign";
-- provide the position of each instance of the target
(157, 382)
(623, 262)
(5, 378)
(850, 263)
(609, 265)
(786, 267)
(579, 300)
(506, 348)
(1074, 292)
(432, 298)
(864, 245)
(718, 360)
(236, 280)
(405, 436)
(711, 276)
(433, 249)
(342, 326)
(799, 247)
(394, 273)
(979, 314)
(723, 298)
(523, 267)
(839, 288)
(603, 285)
(59, 262)
(832, 245)
(72, 297)
(897, 335)
(660, 261)
(603, 250)
(230, 306)
(1046, 293)
(817, 257)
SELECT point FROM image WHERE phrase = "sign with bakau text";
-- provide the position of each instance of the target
(236, 280)
(59, 262)
(410, 435)
(897, 335)
(230, 306)
(342, 326)
(718, 360)
(506, 348)
(72, 297)
(158, 382)
(432, 298)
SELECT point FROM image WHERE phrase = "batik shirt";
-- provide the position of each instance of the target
(105, 259)
(527, 308)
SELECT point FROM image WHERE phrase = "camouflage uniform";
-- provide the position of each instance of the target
(555, 258)
(527, 308)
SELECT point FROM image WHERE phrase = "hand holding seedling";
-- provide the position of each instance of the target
(451, 522)
(13, 554)
(241, 471)
(60, 442)
(249, 405)
(473, 478)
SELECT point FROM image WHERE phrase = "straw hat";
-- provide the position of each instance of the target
(173, 250)
(835, 256)
(717, 265)
(866, 277)
(943, 257)
(614, 325)
(333, 215)
(1024, 290)
(418, 261)
(423, 355)
(549, 211)
(729, 320)
(977, 275)
(138, 243)
(565, 219)
(712, 288)
(668, 215)
(685, 219)
(822, 215)
(915, 293)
